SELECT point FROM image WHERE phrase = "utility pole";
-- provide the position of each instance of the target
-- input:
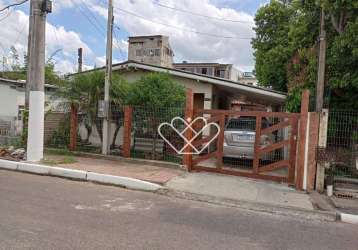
(80, 59)
(36, 78)
(28, 87)
(108, 78)
(321, 64)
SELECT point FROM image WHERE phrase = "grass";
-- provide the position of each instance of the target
(65, 160)
(59, 151)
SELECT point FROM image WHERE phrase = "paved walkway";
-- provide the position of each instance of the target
(240, 188)
(215, 185)
(151, 173)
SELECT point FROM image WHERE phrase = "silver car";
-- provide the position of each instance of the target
(239, 137)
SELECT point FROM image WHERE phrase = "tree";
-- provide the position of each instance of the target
(82, 93)
(154, 90)
(270, 46)
(157, 98)
(286, 49)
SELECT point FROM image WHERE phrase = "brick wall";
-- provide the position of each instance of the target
(52, 123)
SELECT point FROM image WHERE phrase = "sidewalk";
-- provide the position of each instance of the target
(144, 172)
(240, 188)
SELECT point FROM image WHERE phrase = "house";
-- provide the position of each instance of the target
(214, 85)
(12, 98)
(156, 50)
(153, 50)
(226, 71)
(248, 78)
(209, 92)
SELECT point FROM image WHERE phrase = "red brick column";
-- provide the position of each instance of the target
(73, 128)
(302, 139)
(127, 131)
(189, 113)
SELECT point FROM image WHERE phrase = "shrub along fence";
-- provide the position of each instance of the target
(133, 132)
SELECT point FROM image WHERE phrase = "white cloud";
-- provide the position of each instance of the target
(188, 45)
(14, 32)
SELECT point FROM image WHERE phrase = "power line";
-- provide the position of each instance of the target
(182, 29)
(116, 44)
(98, 24)
(83, 12)
(6, 16)
(198, 14)
(12, 5)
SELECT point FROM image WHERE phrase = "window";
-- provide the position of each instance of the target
(204, 71)
(138, 52)
(210, 71)
(220, 73)
(157, 52)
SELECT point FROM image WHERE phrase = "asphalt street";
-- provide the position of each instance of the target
(38, 212)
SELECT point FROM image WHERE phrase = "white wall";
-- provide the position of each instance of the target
(10, 99)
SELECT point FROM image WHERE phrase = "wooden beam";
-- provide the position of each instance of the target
(127, 131)
(189, 109)
(275, 127)
(243, 174)
(202, 141)
(293, 150)
(274, 146)
(275, 165)
(247, 113)
(201, 158)
(257, 144)
(220, 143)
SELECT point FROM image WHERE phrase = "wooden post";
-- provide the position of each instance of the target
(256, 161)
(293, 150)
(220, 144)
(189, 113)
(127, 131)
(73, 128)
(302, 139)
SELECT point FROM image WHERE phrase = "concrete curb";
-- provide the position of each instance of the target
(348, 218)
(122, 181)
(126, 182)
(254, 206)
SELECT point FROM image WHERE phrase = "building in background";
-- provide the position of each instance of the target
(248, 78)
(156, 50)
(153, 50)
(225, 71)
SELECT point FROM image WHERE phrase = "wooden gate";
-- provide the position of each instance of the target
(265, 148)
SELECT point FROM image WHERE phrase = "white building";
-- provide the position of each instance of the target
(12, 104)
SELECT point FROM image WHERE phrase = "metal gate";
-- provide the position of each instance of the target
(252, 144)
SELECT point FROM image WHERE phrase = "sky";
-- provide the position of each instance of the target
(199, 30)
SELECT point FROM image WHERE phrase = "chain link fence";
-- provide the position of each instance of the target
(341, 152)
(146, 141)
(89, 130)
